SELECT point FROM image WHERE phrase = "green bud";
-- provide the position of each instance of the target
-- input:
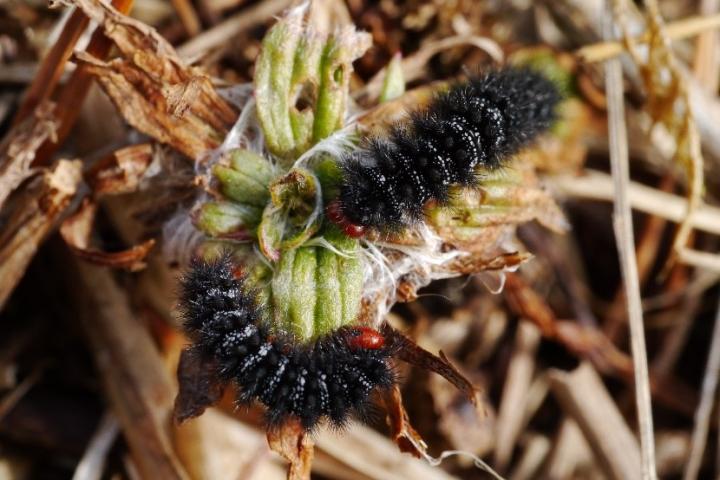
(394, 81)
(252, 165)
(301, 83)
(349, 272)
(227, 219)
(301, 314)
(246, 179)
(288, 219)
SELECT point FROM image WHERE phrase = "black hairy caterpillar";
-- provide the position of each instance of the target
(478, 123)
(332, 377)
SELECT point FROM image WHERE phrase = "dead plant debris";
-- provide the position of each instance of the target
(514, 358)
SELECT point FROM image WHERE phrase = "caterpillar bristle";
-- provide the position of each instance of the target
(478, 123)
(330, 378)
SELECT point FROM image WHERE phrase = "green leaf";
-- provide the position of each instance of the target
(301, 83)
(350, 273)
(329, 309)
(316, 290)
(301, 313)
(329, 174)
(282, 288)
(270, 232)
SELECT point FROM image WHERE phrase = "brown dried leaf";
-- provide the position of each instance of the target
(131, 259)
(583, 340)
(529, 304)
(18, 148)
(403, 434)
(593, 344)
(77, 228)
(70, 97)
(154, 89)
(38, 210)
(410, 352)
(294, 444)
(76, 231)
(479, 220)
(199, 387)
(407, 286)
(122, 171)
(471, 264)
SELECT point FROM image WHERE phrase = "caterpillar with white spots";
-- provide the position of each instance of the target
(478, 123)
(329, 378)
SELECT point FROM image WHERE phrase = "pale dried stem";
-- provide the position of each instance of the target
(510, 418)
(704, 409)
(706, 62)
(188, 16)
(585, 399)
(687, 27)
(622, 222)
(569, 452)
(695, 258)
(223, 33)
(536, 450)
(361, 443)
(52, 66)
(92, 464)
(16, 394)
(135, 380)
(599, 186)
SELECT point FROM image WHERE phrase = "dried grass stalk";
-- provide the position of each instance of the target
(37, 212)
(707, 399)
(584, 398)
(623, 225)
(134, 376)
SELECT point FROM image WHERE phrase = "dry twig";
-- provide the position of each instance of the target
(599, 186)
(707, 400)
(134, 376)
(583, 396)
(623, 225)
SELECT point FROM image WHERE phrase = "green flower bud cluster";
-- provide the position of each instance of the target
(269, 214)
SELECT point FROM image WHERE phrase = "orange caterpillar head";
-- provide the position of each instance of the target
(364, 338)
(335, 214)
